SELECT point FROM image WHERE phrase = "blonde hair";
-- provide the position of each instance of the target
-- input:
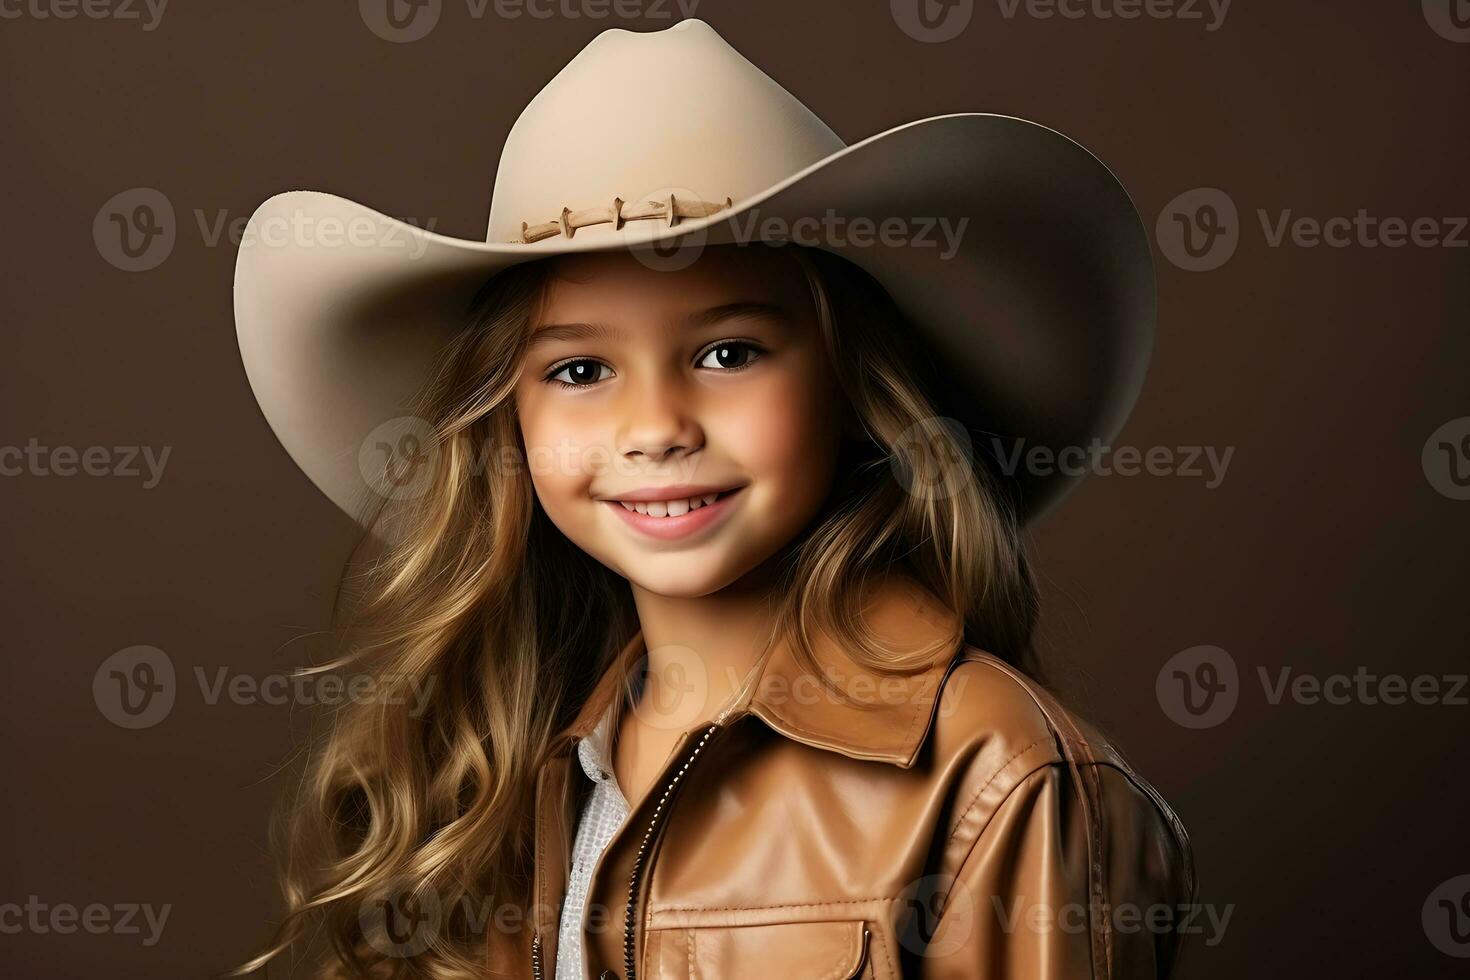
(471, 602)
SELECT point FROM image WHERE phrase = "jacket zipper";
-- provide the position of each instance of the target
(630, 921)
(632, 915)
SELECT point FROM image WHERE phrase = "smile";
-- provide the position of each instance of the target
(674, 517)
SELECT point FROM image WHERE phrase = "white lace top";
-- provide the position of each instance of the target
(602, 814)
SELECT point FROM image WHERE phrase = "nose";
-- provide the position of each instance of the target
(658, 422)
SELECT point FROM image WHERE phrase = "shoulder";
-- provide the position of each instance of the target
(994, 719)
(1010, 743)
(1048, 818)
(984, 701)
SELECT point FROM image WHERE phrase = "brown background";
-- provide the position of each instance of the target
(1325, 549)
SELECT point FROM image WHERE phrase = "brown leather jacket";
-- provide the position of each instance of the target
(963, 826)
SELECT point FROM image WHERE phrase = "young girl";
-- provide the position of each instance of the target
(695, 626)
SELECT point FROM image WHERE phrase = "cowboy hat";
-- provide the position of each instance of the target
(1014, 254)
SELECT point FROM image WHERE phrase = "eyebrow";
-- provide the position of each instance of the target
(741, 309)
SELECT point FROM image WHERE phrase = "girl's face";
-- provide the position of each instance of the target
(680, 426)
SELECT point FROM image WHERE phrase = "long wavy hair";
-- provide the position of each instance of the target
(493, 627)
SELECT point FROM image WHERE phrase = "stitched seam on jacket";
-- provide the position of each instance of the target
(1076, 746)
(1102, 896)
(1100, 927)
(887, 953)
(690, 958)
(1072, 742)
(755, 908)
(1085, 772)
(975, 800)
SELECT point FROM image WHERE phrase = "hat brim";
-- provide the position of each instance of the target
(1038, 299)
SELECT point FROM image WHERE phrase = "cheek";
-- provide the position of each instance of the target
(558, 447)
(786, 437)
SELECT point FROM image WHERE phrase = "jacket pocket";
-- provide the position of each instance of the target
(835, 950)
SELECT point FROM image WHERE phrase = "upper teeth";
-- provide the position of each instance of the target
(669, 508)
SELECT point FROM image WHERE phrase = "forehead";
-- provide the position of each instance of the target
(608, 286)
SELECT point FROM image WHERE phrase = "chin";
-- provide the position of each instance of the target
(679, 577)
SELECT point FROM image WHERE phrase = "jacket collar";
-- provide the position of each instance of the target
(883, 717)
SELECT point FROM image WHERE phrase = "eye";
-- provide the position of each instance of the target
(580, 373)
(730, 355)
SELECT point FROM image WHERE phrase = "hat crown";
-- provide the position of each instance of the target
(637, 116)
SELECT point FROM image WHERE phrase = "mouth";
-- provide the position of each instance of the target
(674, 517)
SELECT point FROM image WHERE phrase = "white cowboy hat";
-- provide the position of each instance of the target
(1016, 254)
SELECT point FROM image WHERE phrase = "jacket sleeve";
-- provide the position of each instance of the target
(1025, 904)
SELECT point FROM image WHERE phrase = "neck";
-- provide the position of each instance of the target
(701, 649)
